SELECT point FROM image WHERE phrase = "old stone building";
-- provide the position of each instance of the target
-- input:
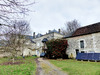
(85, 40)
(39, 38)
(27, 50)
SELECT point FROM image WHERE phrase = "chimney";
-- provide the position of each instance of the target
(49, 31)
(59, 30)
(34, 35)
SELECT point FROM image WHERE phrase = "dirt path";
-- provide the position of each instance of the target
(44, 67)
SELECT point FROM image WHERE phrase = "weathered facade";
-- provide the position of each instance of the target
(29, 49)
(38, 40)
(84, 40)
(26, 50)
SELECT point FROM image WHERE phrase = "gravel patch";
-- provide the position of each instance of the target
(44, 67)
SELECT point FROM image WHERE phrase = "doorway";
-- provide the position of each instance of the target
(77, 51)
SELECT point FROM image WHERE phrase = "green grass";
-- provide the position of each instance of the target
(28, 68)
(73, 67)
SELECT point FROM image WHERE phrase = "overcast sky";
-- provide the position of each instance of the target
(52, 14)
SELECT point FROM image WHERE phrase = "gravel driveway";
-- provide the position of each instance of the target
(44, 67)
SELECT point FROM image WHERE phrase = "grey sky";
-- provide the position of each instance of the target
(52, 14)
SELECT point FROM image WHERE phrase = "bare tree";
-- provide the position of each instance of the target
(14, 31)
(70, 27)
(11, 9)
(64, 31)
(15, 37)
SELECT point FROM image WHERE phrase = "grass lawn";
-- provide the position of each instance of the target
(73, 67)
(27, 68)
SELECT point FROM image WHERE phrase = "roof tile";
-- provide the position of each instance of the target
(87, 29)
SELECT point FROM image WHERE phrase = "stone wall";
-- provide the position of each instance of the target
(28, 50)
(91, 44)
(57, 36)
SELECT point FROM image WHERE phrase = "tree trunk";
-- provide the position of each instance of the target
(13, 60)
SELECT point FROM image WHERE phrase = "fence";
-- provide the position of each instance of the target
(88, 56)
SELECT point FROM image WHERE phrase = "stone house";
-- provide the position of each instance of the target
(27, 50)
(39, 38)
(85, 40)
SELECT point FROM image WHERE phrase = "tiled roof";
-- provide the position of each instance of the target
(87, 29)
(51, 31)
(30, 38)
(54, 31)
(38, 35)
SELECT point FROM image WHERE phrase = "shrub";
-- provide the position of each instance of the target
(56, 48)
(71, 56)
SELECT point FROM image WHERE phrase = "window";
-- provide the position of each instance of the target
(38, 44)
(81, 44)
